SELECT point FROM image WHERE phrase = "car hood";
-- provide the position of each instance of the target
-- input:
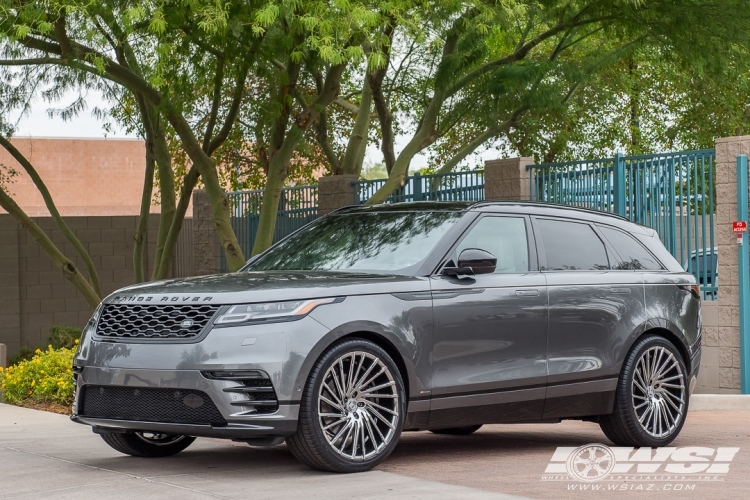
(266, 286)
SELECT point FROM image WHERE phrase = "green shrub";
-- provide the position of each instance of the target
(64, 336)
(46, 378)
(25, 354)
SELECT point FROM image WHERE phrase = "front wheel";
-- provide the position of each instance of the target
(651, 399)
(148, 444)
(352, 409)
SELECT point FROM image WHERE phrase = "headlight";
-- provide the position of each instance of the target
(271, 310)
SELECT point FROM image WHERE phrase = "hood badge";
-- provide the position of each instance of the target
(161, 298)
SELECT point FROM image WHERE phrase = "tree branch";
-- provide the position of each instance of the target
(234, 109)
(214, 114)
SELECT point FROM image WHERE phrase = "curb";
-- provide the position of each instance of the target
(720, 402)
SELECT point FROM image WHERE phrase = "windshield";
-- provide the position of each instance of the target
(394, 242)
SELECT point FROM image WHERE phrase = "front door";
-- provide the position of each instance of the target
(490, 334)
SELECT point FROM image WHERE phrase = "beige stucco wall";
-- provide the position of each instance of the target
(85, 176)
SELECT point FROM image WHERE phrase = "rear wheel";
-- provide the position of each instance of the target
(651, 400)
(458, 431)
(352, 409)
(148, 444)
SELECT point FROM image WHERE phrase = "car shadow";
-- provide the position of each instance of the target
(223, 457)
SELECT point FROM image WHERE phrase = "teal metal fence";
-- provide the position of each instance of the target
(297, 206)
(673, 193)
(453, 186)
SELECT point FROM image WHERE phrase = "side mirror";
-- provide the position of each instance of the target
(473, 261)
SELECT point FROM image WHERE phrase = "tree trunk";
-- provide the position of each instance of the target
(219, 203)
(60, 260)
(140, 232)
(188, 185)
(358, 140)
(417, 143)
(166, 192)
(269, 209)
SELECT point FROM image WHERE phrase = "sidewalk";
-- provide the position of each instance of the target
(43, 455)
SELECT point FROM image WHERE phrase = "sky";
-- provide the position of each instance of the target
(39, 124)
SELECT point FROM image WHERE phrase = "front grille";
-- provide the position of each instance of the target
(154, 321)
(179, 406)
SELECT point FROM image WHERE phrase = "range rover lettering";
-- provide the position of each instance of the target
(371, 321)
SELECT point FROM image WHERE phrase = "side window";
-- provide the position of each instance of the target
(634, 256)
(571, 246)
(503, 237)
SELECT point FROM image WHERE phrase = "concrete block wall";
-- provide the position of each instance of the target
(727, 336)
(507, 179)
(35, 295)
(10, 301)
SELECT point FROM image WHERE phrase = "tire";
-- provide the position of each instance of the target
(458, 431)
(148, 445)
(649, 410)
(339, 429)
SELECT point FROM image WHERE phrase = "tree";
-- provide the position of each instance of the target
(157, 52)
(476, 72)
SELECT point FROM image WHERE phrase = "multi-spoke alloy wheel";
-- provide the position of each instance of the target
(358, 405)
(658, 392)
(352, 409)
(651, 400)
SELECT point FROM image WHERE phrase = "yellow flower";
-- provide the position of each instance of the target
(33, 383)
(38, 351)
(77, 341)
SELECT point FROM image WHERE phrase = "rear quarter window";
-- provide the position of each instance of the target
(633, 255)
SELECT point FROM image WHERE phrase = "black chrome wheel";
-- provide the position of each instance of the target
(352, 409)
(651, 399)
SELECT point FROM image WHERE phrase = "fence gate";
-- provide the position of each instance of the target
(672, 193)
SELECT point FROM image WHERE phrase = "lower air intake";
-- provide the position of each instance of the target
(178, 406)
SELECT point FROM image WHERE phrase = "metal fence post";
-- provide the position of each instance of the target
(417, 188)
(743, 265)
(619, 184)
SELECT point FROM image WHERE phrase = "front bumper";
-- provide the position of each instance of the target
(239, 422)
(275, 350)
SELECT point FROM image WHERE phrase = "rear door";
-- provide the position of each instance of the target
(490, 333)
(594, 308)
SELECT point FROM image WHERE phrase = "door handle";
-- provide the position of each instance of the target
(527, 293)
(619, 290)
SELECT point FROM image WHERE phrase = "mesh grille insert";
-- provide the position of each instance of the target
(183, 321)
(142, 404)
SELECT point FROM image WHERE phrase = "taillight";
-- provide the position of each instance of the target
(694, 290)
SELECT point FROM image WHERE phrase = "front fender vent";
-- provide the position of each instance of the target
(252, 390)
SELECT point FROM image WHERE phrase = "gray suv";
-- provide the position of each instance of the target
(371, 321)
